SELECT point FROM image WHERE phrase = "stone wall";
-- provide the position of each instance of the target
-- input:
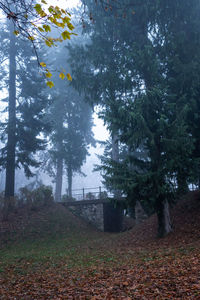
(100, 213)
(92, 213)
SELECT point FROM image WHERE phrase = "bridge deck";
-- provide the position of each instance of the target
(88, 202)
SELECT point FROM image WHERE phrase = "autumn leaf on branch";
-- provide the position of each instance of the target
(35, 21)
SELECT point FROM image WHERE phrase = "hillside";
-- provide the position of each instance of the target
(51, 254)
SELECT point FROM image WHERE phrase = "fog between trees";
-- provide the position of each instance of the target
(139, 62)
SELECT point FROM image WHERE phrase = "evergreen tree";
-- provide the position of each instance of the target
(145, 93)
(11, 129)
(97, 68)
(71, 134)
(181, 54)
(25, 108)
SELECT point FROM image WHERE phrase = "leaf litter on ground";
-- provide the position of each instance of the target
(55, 255)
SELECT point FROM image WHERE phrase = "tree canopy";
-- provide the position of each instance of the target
(143, 71)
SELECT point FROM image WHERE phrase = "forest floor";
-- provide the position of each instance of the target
(51, 254)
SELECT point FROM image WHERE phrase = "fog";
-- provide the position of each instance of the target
(88, 178)
(141, 71)
(92, 179)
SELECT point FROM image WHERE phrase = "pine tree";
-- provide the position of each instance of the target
(96, 67)
(145, 92)
(26, 101)
(71, 134)
(181, 52)
(11, 142)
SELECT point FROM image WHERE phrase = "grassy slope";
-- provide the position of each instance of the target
(54, 255)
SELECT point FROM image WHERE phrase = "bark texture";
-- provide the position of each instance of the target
(115, 157)
(69, 177)
(164, 220)
(59, 176)
(11, 129)
(182, 184)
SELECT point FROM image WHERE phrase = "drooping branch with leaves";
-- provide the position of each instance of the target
(34, 21)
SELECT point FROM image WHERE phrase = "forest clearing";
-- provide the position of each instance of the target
(65, 67)
(52, 254)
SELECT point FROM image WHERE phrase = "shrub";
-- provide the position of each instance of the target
(37, 198)
(42, 196)
(103, 195)
(67, 198)
(90, 196)
(25, 196)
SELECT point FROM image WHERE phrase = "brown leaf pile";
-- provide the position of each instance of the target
(171, 277)
(148, 268)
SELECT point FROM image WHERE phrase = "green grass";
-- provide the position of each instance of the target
(56, 240)
(56, 252)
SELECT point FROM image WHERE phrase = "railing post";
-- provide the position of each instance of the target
(100, 192)
(83, 194)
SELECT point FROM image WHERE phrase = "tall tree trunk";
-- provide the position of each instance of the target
(69, 177)
(115, 157)
(11, 142)
(115, 147)
(59, 177)
(59, 156)
(182, 183)
(164, 220)
(140, 214)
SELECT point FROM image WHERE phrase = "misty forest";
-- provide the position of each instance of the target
(132, 232)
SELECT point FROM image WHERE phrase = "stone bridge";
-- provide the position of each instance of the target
(96, 206)
(101, 213)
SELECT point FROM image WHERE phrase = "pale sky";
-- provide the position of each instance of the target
(93, 179)
(100, 132)
(64, 3)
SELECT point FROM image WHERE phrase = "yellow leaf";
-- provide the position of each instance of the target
(65, 35)
(48, 43)
(31, 38)
(66, 20)
(43, 14)
(46, 28)
(50, 84)
(41, 29)
(43, 1)
(59, 24)
(48, 75)
(70, 26)
(69, 77)
(50, 9)
(42, 64)
(16, 32)
(62, 75)
(38, 8)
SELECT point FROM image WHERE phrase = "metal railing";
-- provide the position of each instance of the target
(91, 193)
